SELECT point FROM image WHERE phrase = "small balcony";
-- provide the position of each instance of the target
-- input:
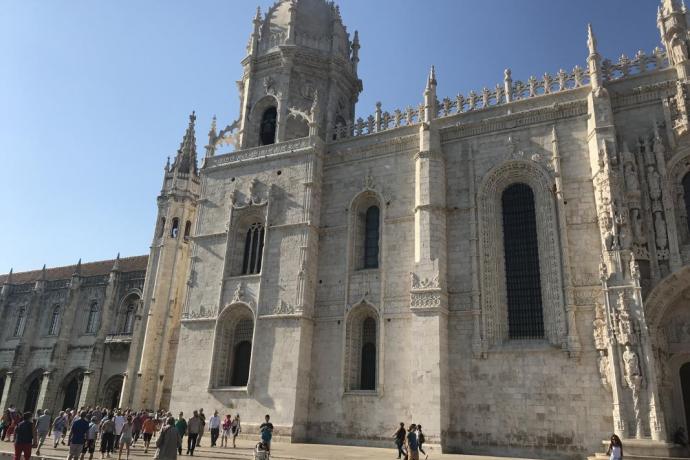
(119, 337)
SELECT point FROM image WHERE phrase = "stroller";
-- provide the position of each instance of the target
(261, 452)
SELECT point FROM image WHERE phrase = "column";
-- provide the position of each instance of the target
(6, 391)
(84, 390)
(40, 402)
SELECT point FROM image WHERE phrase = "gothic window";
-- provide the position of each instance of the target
(175, 227)
(361, 349)
(233, 348)
(371, 238)
(521, 248)
(161, 229)
(128, 325)
(54, 321)
(267, 130)
(19, 325)
(253, 249)
(686, 197)
(187, 230)
(92, 320)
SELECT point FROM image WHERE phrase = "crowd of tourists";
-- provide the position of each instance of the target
(410, 442)
(116, 432)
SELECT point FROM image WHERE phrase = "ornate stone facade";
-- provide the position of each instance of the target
(347, 273)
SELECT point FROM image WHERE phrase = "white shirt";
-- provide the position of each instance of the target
(615, 453)
(214, 422)
(119, 423)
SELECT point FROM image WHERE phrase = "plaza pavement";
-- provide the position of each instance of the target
(244, 451)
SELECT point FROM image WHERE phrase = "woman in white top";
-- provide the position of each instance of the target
(615, 450)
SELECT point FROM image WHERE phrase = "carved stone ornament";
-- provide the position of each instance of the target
(601, 339)
(426, 283)
(626, 325)
(239, 295)
(283, 308)
(202, 314)
(425, 300)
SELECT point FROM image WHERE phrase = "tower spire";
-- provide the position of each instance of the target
(430, 96)
(594, 61)
(8, 280)
(185, 161)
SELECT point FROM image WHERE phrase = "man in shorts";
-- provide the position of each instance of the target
(266, 431)
(90, 444)
(42, 429)
(77, 436)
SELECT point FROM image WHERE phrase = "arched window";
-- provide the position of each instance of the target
(175, 227)
(92, 320)
(368, 362)
(21, 319)
(55, 321)
(686, 196)
(161, 229)
(233, 347)
(371, 237)
(128, 325)
(253, 249)
(187, 230)
(521, 248)
(267, 130)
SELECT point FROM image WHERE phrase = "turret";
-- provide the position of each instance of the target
(673, 27)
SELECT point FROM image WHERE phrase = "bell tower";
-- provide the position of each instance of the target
(300, 70)
(150, 368)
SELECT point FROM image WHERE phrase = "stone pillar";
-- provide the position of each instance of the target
(84, 389)
(6, 391)
(428, 295)
(43, 392)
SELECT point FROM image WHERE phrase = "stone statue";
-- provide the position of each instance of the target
(636, 224)
(604, 367)
(626, 328)
(654, 183)
(633, 377)
(599, 323)
(631, 180)
(623, 233)
(660, 227)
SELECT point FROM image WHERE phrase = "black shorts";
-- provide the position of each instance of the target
(147, 437)
(89, 446)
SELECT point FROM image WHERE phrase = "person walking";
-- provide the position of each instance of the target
(5, 424)
(226, 427)
(202, 418)
(411, 443)
(77, 436)
(91, 435)
(615, 450)
(420, 441)
(181, 427)
(42, 429)
(24, 436)
(236, 429)
(399, 437)
(58, 428)
(214, 426)
(125, 438)
(107, 436)
(148, 428)
(169, 442)
(266, 431)
(137, 424)
(193, 428)
(119, 423)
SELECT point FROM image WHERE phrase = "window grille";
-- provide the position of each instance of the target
(686, 197)
(371, 238)
(253, 249)
(19, 325)
(523, 280)
(54, 321)
(368, 361)
(92, 321)
(268, 126)
(242, 352)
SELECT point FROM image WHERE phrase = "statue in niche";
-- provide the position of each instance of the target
(254, 191)
(660, 227)
(604, 367)
(654, 181)
(633, 377)
(623, 232)
(634, 267)
(631, 180)
(636, 224)
(626, 328)
(599, 323)
(610, 239)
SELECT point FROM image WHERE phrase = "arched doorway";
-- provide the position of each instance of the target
(71, 394)
(32, 391)
(110, 395)
(685, 390)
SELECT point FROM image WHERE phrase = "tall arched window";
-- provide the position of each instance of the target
(174, 230)
(55, 321)
(21, 319)
(92, 320)
(253, 249)
(187, 230)
(686, 196)
(242, 352)
(128, 325)
(368, 362)
(521, 248)
(371, 237)
(267, 130)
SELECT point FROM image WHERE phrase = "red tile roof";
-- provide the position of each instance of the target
(103, 267)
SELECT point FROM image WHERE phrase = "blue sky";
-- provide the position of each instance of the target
(94, 95)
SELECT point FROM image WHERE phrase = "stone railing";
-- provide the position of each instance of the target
(505, 93)
(119, 337)
(258, 152)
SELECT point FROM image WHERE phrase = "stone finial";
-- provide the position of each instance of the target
(430, 109)
(355, 51)
(185, 160)
(116, 264)
(167, 165)
(431, 81)
(212, 139)
(44, 274)
(591, 40)
(594, 62)
(77, 269)
(8, 280)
